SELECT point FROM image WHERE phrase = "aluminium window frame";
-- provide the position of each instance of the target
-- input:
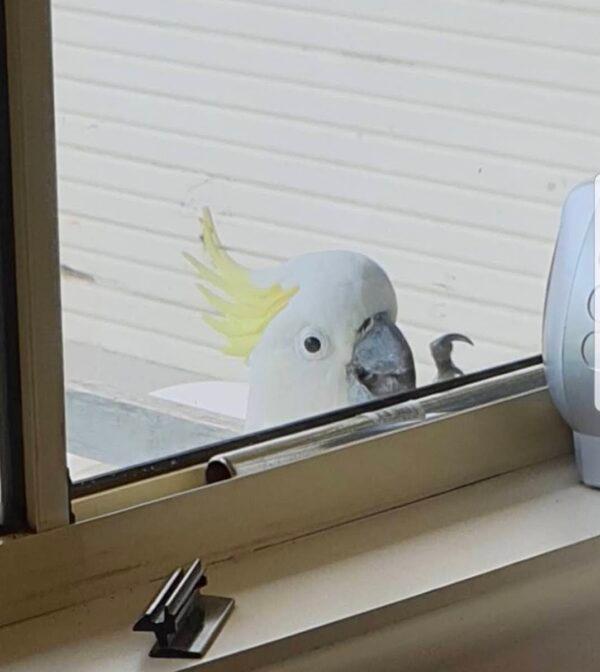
(12, 485)
(34, 203)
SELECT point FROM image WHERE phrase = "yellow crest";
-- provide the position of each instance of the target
(243, 309)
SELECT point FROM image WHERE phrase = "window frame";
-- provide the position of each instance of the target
(107, 551)
(35, 213)
(12, 486)
(174, 462)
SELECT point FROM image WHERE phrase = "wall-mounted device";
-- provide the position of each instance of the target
(569, 321)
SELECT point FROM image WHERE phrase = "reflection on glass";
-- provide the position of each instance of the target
(379, 216)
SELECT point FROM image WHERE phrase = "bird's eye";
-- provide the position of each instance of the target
(312, 343)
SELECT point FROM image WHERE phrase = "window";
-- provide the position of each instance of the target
(426, 147)
(115, 190)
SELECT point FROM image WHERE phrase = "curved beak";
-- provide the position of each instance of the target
(382, 361)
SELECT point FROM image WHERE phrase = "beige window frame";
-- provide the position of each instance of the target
(36, 258)
(137, 533)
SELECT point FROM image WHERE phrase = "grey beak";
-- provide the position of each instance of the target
(382, 361)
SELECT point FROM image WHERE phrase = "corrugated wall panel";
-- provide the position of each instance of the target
(438, 138)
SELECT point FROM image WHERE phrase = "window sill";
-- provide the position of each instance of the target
(510, 532)
(103, 555)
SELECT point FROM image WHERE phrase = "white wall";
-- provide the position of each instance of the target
(437, 137)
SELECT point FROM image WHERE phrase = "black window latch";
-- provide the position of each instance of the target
(184, 621)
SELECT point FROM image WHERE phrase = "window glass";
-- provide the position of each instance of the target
(271, 210)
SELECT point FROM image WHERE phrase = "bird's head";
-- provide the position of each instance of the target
(318, 332)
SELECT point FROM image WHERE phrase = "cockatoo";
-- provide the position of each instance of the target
(318, 332)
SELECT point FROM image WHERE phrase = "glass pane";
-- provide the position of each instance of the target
(271, 211)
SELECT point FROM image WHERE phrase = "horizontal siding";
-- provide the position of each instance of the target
(526, 100)
(167, 120)
(425, 270)
(426, 275)
(364, 115)
(438, 138)
(135, 275)
(408, 54)
(551, 23)
(261, 167)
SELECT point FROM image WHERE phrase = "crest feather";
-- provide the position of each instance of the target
(244, 309)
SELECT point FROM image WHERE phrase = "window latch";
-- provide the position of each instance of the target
(184, 621)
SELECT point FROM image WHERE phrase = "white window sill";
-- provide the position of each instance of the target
(395, 565)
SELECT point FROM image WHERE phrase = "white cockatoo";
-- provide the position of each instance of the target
(318, 332)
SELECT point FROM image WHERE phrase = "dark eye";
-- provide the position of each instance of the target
(312, 344)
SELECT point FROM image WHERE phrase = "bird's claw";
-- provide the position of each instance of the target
(441, 351)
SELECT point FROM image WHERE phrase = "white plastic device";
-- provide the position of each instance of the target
(569, 338)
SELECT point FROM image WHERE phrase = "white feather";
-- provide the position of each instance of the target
(338, 291)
